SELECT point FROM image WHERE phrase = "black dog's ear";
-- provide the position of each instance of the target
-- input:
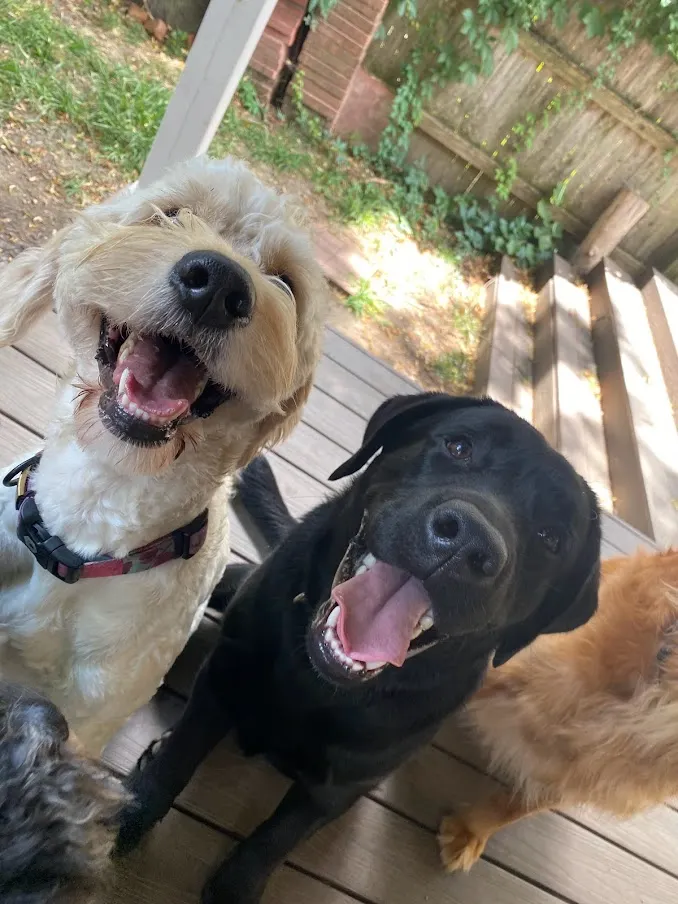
(567, 606)
(392, 416)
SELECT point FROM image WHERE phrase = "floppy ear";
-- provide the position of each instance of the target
(26, 288)
(567, 606)
(390, 419)
(276, 427)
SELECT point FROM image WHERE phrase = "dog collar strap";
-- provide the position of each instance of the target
(52, 554)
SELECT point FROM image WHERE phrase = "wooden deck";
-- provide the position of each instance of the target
(384, 850)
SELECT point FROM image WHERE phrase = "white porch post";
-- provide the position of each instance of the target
(215, 64)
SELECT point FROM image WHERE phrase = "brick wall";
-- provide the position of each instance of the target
(333, 52)
(270, 54)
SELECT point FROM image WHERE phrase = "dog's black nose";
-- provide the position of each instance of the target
(460, 534)
(215, 290)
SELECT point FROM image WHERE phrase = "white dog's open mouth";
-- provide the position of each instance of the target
(153, 384)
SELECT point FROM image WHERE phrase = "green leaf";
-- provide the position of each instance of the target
(468, 74)
(594, 20)
(510, 36)
(543, 209)
(486, 61)
(561, 13)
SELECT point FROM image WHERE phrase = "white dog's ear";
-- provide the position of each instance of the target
(27, 288)
(277, 427)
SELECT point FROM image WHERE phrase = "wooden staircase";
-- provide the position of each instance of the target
(604, 381)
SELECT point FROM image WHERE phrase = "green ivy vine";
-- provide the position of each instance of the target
(432, 63)
(319, 9)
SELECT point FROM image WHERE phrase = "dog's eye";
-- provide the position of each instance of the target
(160, 219)
(550, 539)
(459, 448)
(282, 281)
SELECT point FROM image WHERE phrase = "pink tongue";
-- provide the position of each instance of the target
(163, 381)
(379, 612)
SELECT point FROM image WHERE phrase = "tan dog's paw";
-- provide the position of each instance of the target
(460, 848)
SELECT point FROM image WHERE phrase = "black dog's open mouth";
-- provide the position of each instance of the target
(377, 615)
(152, 385)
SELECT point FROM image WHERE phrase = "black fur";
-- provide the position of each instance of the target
(471, 528)
(259, 494)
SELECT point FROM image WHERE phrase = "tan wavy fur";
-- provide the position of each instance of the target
(589, 717)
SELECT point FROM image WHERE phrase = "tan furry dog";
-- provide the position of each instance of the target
(589, 717)
(194, 310)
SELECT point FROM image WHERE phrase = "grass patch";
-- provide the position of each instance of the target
(362, 302)
(454, 368)
(50, 69)
(176, 44)
(249, 98)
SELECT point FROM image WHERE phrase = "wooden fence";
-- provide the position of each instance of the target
(620, 136)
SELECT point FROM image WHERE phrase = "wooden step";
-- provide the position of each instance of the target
(661, 304)
(504, 364)
(567, 406)
(640, 432)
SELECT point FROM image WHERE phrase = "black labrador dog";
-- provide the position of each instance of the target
(377, 615)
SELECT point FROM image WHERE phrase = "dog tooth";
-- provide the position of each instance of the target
(201, 387)
(356, 667)
(133, 408)
(361, 570)
(369, 560)
(426, 622)
(144, 415)
(373, 666)
(417, 631)
(123, 400)
(128, 346)
(333, 617)
(329, 634)
(122, 385)
(334, 643)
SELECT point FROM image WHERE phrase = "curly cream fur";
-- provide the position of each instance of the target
(99, 648)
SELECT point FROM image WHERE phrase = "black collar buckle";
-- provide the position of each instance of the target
(183, 536)
(49, 551)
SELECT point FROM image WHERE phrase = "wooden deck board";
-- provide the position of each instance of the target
(373, 852)
(384, 850)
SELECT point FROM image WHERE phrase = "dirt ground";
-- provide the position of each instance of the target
(38, 164)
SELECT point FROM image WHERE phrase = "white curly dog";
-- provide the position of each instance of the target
(194, 313)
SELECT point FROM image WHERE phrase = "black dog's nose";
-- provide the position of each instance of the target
(216, 291)
(459, 532)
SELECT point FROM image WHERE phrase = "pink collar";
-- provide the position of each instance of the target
(51, 552)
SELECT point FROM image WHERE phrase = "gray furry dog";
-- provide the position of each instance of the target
(57, 809)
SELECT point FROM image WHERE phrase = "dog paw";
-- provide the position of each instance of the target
(460, 848)
(219, 891)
